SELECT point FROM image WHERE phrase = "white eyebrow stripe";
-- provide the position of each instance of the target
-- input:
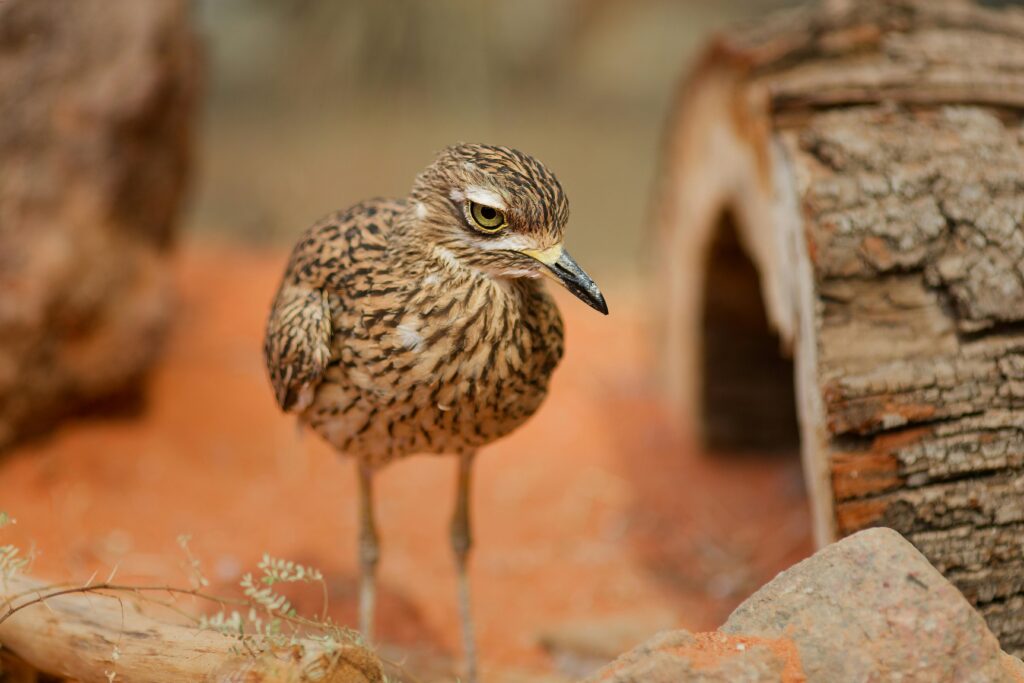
(505, 243)
(484, 196)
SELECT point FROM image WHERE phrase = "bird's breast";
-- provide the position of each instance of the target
(442, 372)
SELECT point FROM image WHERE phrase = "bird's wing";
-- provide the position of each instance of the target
(297, 347)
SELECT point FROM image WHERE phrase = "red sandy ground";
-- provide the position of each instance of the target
(591, 511)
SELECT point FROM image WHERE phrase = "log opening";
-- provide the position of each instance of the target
(747, 398)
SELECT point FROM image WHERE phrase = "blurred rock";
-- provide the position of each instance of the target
(868, 608)
(427, 665)
(581, 646)
(682, 657)
(96, 109)
(871, 607)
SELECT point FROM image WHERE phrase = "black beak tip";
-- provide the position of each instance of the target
(579, 283)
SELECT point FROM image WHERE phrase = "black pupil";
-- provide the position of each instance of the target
(488, 213)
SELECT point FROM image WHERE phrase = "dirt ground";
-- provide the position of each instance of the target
(594, 526)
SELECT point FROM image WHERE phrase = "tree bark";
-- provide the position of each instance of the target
(871, 154)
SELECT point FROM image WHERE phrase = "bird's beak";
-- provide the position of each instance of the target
(563, 268)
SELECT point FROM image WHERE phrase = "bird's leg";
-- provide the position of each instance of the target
(369, 553)
(461, 543)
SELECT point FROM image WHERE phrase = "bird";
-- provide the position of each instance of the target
(422, 325)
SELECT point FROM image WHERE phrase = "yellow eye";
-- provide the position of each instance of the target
(487, 218)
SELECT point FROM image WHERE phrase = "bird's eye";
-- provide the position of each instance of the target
(485, 218)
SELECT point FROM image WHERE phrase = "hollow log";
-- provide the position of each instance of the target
(96, 638)
(870, 157)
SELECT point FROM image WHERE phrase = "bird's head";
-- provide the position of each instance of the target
(501, 212)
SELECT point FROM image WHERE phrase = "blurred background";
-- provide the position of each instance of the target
(596, 524)
(312, 105)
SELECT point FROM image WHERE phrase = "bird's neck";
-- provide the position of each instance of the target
(449, 283)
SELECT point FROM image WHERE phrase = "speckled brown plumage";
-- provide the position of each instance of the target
(408, 326)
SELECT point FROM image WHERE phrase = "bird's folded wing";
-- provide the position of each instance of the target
(297, 345)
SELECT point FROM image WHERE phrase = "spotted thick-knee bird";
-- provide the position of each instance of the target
(422, 325)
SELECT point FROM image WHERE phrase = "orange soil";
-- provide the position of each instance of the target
(590, 510)
(711, 648)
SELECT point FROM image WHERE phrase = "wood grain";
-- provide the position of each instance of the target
(86, 637)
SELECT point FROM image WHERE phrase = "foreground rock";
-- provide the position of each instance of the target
(682, 657)
(868, 608)
(96, 104)
(871, 606)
